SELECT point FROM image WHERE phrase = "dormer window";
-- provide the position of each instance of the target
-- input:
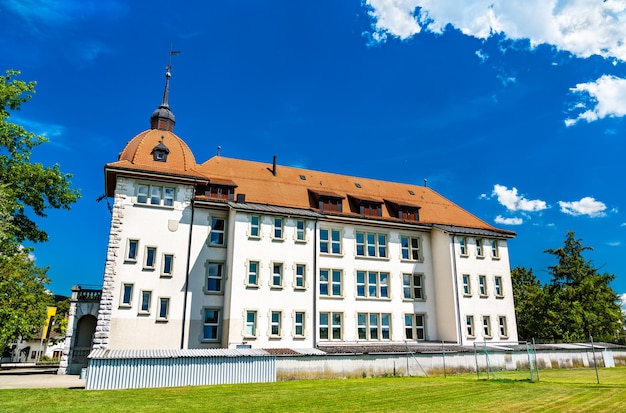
(220, 191)
(366, 207)
(160, 152)
(326, 201)
(403, 210)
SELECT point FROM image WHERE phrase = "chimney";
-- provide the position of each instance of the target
(274, 166)
(241, 198)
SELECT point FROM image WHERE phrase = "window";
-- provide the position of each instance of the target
(155, 195)
(495, 253)
(469, 325)
(278, 228)
(370, 209)
(463, 246)
(504, 332)
(330, 326)
(370, 244)
(330, 204)
(126, 300)
(168, 265)
(275, 323)
(132, 249)
(372, 284)
(413, 286)
(164, 308)
(479, 248)
(415, 326)
(482, 285)
(298, 324)
(255, 226)
(146, 300)
(497, 280)
(486, 326)
(250, 324)
(150, 258)
(467, 285)
(410, 248)
(330, 283)
(220, 192)
(330, 241)
(277, 275)
(373, 326)
(214, 276)
(300, 230)
(218, 225)
(211, 325)
(300, 277)
(253, 274)
(408, 213)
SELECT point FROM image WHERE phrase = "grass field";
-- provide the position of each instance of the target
(573, 390)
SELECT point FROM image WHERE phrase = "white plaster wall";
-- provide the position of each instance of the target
(446, 301)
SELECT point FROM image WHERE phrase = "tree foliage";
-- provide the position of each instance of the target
(577, 303)
(27, 190)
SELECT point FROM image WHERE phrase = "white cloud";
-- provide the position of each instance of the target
(59, 13)
(508, 221)
(514, 202)
(623, 298)
(582, 27)
(614, 243)
(482, 56)
(607, 95)
(586, 206)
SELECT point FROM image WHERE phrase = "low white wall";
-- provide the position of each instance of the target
(369, 365)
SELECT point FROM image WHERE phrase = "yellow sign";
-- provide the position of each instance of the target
(52, 311)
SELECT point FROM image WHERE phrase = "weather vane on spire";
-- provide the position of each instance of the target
(169, 62)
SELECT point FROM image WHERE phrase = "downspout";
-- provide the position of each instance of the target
(182, 334)
(315, 283)
(456, 290)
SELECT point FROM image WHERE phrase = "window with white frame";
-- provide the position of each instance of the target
(146, 302)
(371, 244)
(413, 286)
(211, 324)
(330, 282)
(275, 323)
(410, 247)
(126, 299)
(495, 252)
(498, 290)
(278, 232)
(479, 248)
(372, 284)
(167, 266)
(469, 325)
(164, 308)
(214, 277)
(463, 246)
(373, 326)
(300, 230)
(250, 326)
(330, 241)
(482, 285)
(486, 326)
(504, 332)
(277, 275)
(255, 226)
(415, 326)
(218, 231)
(300, 276)
(298, 324)
(150, 255)
(331, 326)
(467, 285)
(155, 195)
(252, 280)
(132, 250)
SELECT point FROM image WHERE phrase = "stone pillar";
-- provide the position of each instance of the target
(65, 362)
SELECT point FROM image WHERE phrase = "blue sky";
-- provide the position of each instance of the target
(513, 111)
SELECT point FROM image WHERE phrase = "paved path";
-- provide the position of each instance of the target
(24, 378)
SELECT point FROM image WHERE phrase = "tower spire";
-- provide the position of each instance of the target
(163, 118)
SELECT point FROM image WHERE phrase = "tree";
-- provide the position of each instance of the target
(578, 302)
(25, 188)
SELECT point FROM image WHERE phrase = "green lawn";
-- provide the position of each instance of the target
(573, 390)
